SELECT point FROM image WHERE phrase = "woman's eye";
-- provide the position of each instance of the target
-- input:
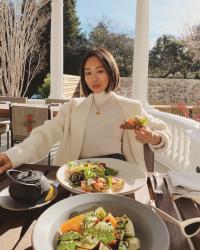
(100, 71)
(87, 73)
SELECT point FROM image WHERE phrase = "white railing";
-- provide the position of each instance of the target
(36, 101)
(184, 151)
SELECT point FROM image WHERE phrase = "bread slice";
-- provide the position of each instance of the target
(134, 123)
(117, 184)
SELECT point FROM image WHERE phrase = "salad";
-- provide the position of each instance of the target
(134, 123)
(97, 230)
(94, 177)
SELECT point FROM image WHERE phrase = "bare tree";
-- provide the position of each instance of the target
(192, 39)
(21, 25)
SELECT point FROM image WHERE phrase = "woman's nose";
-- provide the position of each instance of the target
(95, 77)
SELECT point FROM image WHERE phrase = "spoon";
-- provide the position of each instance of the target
(189, 227)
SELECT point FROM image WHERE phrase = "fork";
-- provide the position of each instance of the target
(156, 187)
(44, 184)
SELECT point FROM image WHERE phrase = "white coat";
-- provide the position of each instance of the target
(67, 128)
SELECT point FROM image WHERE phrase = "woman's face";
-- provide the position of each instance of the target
(96, 76)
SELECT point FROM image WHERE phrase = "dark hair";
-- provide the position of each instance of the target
(110, 66)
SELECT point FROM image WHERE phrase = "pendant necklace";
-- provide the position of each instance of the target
(100, 107)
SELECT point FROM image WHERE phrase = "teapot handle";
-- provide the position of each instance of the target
(10, 176)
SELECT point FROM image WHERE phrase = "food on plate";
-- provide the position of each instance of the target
(73, 224)
(98, 230)
(134, 123)
(94, 177)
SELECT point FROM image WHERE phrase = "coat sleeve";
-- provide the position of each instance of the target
(41, 139)
(160, 127)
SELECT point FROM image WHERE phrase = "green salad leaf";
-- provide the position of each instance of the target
(109, 179)
(89, 173)
(110, 171)
(66, 245)
(100, 171)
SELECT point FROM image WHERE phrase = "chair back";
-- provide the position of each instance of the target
(13, 99)
(24, 119)
(55, 101)
(3, 128)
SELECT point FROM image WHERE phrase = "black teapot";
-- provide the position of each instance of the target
(27, 186)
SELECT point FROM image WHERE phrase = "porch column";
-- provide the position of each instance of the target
(141, 53)
(56, 55)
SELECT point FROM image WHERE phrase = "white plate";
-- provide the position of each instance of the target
(149, 228)
(9, 203)
(133, 176)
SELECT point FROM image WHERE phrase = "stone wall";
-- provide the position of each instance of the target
(71, 86)
(162, 91)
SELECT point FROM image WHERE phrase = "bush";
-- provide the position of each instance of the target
(44, 89)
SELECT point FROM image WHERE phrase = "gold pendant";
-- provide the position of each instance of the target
(97, 112)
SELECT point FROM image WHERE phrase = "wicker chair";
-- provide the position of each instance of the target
(24, 119)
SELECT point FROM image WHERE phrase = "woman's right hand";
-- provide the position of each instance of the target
(5, 163)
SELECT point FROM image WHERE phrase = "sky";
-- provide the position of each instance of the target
(166, 16)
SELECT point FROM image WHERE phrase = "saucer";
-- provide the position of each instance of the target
(9, 203)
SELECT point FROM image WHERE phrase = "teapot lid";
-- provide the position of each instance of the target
(30, 176)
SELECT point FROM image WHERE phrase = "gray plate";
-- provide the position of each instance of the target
(149, 228)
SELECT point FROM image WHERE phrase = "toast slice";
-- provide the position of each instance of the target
(134, 123)
(117, 184)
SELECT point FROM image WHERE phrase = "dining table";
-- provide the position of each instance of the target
(16, 227)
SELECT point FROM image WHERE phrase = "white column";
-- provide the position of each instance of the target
(141, 53)
(56, 56)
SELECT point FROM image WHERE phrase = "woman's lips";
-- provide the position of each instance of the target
(96, 86)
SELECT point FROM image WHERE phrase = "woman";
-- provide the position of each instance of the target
(90, 126)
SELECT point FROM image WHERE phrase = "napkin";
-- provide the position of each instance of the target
(185, 181)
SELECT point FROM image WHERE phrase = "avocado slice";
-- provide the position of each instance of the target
(100, 213)
(88, 242)
(66, 245)
(133, 243)
(129, 230)
(70, 236)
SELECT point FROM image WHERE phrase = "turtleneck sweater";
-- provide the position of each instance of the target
(102, 134)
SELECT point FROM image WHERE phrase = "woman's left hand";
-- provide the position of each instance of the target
(145, 135)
